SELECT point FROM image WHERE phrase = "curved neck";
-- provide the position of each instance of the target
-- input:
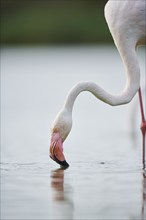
(130, 62)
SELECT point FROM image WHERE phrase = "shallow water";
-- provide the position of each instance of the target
(105, 179)
(83, 191)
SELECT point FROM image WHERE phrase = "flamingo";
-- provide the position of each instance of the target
(126, 20)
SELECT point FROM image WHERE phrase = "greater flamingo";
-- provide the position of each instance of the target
(126, 20)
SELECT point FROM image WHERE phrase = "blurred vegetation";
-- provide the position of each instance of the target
(53, 22)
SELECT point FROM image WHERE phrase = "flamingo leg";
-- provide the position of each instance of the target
(142, 127)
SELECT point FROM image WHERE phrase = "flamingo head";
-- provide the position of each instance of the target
(56, 149)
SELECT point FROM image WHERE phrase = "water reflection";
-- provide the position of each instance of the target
(144, 197)
(62, 203)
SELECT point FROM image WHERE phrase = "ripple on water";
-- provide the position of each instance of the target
(81, 166)
(25, 168)
(108, 166)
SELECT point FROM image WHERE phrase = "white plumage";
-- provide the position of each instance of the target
(127, 24)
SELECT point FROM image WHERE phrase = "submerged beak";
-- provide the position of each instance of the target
(56, 151)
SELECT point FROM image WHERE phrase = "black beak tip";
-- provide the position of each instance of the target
(63, 163)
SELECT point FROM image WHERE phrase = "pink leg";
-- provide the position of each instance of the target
(143, 126)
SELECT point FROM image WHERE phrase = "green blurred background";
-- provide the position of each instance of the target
(53, 22)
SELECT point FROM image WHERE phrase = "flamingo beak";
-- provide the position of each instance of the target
(56, 152)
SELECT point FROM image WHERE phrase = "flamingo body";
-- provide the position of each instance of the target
(127, 23)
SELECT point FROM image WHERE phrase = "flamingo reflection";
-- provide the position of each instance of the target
(62, 203)
(144, 197)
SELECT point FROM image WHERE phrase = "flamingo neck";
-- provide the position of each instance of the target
(130, 62)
